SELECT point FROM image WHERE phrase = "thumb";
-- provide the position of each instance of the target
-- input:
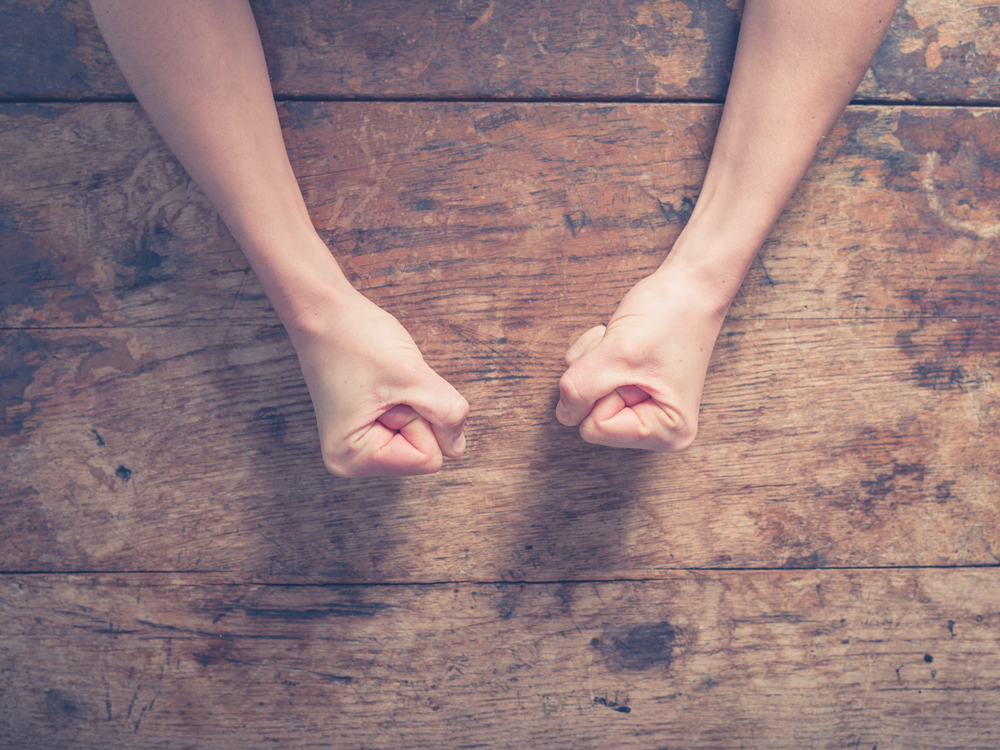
(437, 401)
(587, 380)
(585, 344)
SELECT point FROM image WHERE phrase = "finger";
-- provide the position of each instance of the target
(413, 450)
(589, 378)
(414, 428)
(584, 344)
(383, 452)
(400, 458)
(632, 394)
(623, 397)
(445, 410)
(647, 425)
(397, 417)
(398, 443)
(420, 434)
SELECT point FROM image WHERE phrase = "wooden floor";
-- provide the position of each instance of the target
(819, 570)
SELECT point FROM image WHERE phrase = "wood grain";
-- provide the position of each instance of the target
(622, 49)
(149, 398)
(470, 210)
(821, 659)
(180, 572)
(823, 444)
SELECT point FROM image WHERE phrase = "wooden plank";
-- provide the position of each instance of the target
(823, 444)
(896, 660)
(934, 52)
(484, 207)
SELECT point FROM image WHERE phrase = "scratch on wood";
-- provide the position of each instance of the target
(143, 713)
(496, 120)
(334, 610)
(185, 631)
(483, 19)
(131, 705)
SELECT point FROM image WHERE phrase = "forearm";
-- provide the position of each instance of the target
(198, 70)
(798, 62)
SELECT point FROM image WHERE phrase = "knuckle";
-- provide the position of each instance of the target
(339, 469)
(570, 385)
(682, 441)
(677, 439)
(345, 463)
(591, 434)
(408, 370)
(457, 411)
(631, 353)
(432, 465)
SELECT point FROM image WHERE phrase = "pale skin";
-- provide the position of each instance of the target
(198, 69)
(637, 383)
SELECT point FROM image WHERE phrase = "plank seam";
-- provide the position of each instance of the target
(776, 317)
(404, 99)
(491, 582)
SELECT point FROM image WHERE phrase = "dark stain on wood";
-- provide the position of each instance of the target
(679, 215)
(21, 354)
(270, 424)
(37, 58)
(949, 43)
(896, 474)
(958, 363)
(25, 265)
(145, 261)
(81, 305)
(63, 706)
(380, 45)
(636, 648)
(316, 613)
(575, 220)
(219, 651)
(506, 603)
(612, 704)
(810, 561)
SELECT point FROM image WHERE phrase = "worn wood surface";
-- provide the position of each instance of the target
(936, 51)
(853, 390)
(826, 443)
(480, 212)
(832, 659)
(178, 571)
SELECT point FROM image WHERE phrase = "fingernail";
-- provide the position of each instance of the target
(562, 413)
(458, 445)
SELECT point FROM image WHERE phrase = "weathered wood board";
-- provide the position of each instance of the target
(149, 397)
(824, 443)
(655, 49)
(488, 209)
(899, 660)
(180, 571)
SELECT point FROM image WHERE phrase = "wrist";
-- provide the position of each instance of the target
(301, 278)
(713, 257)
